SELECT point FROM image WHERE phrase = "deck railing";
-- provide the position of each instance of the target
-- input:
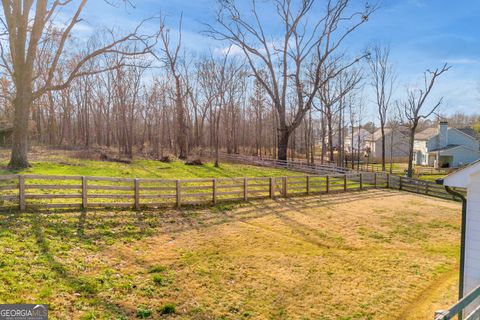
(467, 308)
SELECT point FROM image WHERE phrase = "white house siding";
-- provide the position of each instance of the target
(420, 152)
(364, 137)
(469, 177)
(472, 247)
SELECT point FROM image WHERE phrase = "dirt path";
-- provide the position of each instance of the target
(437, 296)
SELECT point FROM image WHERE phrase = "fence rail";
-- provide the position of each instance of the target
(303, 166)
(286, 164)
(25, 192)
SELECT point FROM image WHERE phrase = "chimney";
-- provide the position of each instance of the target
(443, 134)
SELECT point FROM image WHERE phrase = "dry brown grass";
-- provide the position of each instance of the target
(365, 255)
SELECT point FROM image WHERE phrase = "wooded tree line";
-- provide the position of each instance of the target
(265, 93)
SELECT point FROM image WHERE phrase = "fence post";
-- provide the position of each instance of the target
(327, 187)
(388, 180)
(361, 181)
(84, 193)
(179, 190)
(245, 189)
(21, 192)
(308, 185)
(136, 188)
(375, 180)
(214, 191)
(272, 190)
(345, 182)
(400, 183)
(284, 186)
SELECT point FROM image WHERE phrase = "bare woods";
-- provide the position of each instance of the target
(294, 88)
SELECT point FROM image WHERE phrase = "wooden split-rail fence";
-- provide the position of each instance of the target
(301, 166)
(33, 192)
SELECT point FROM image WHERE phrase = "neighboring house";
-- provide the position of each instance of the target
(360, 140)
(396, 144)
(446, 147)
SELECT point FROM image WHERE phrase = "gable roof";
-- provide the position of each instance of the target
(429, 133)
(363, 133)
(460, 178)
(377, 135)
(469, 132)
(426, 134)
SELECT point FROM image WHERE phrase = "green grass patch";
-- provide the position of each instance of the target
(157, 269)
(168, 308)
(143, 312)
(145, 169)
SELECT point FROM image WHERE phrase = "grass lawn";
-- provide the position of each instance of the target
(431, 177)
(67, 165)
(301, 258)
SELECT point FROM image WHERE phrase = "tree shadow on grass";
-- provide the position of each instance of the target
(80, 285)
(101, 229)
(107, 226)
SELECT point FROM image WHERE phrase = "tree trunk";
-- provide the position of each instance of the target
(181, 125)
(383, 146)
(410, 151)
(19, 158)
(330, 140)
(283, 136)
(391, 152)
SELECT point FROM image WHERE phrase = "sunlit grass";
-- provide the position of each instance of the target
(271, 259)
(145, 169)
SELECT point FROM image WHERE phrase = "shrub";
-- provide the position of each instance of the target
(168, 308)
(143, 312)
(157, 269)
(85, 285)
(158, 279)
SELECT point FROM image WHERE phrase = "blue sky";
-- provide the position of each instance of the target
(422, 34)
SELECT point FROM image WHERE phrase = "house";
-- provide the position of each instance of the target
(396, 144)
(446, 147)
(360, 140)
(469, 178)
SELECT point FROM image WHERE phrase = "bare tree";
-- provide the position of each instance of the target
(413, 107)
(383, 78)
(228, 76)
(171, 58)
(29, 29)
(286, 59)
(395, 123)
(331, 96)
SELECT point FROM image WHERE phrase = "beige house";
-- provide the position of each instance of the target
(396, 144)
